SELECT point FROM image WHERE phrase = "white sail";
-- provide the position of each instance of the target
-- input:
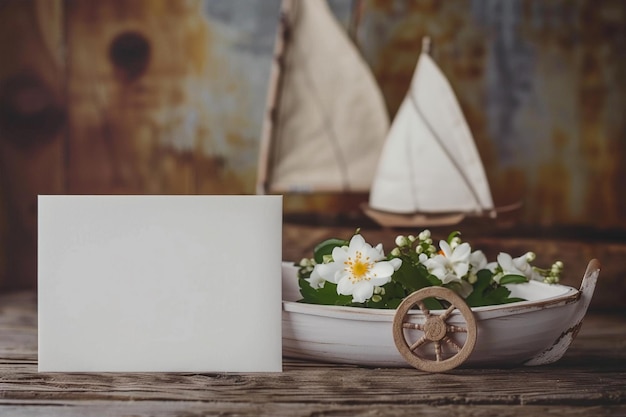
(327, 118)
(430, 163)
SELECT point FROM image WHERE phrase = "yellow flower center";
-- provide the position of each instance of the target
(358, 267)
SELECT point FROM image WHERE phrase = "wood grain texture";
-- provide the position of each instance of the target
(32, 128)
(589, 380)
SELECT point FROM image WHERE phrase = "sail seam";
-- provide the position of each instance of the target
(413, 173)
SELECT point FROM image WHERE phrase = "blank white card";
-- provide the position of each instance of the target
(160, 283)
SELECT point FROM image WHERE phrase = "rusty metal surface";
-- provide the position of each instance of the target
(161, 97)
(542, 85)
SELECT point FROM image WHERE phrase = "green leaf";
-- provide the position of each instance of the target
(433, 304)
(475, 299)
(394, 293)
(487, 292)
(413, 277)
(452, 236)
(513, 279)
(326, 248)
(327, 295)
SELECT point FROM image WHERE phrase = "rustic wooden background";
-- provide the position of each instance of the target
(166, 97)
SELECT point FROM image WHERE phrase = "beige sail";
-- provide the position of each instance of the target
(327, 119)
(430, 165)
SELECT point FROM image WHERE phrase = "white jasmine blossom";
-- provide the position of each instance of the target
(358, 268)
(315, 280)
(516, 266)
(478, 262)
(451, 264)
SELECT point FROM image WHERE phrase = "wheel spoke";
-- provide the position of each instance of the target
(456, 329)
(438, 351)
(419, 343)
(449, 311)
(422, 307)
(452, 343)
(413, 326)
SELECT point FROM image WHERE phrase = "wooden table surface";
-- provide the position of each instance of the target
(590, 380)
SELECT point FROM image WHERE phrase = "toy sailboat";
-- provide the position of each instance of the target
(430, 172)
(326, 121)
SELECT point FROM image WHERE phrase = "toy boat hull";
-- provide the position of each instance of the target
(533, 332)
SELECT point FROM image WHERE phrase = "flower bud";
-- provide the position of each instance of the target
(377, 298)
(424, 234)
(395, 252)
(530, 256)
(401, 241)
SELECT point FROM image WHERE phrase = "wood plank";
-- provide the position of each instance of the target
(592, 374)
(32, 128)
(333, 384)
(268, 408)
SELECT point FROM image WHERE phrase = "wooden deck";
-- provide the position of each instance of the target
(590, 380)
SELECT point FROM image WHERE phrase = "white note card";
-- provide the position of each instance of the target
(159, 283)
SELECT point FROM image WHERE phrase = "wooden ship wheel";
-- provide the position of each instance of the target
(435, 330)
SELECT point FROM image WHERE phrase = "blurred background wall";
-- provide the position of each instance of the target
(168, 97)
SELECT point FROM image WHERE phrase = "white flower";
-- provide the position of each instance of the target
(515, 266)
(478, 262)
(358, 268)
(450, 264)
(315, 280)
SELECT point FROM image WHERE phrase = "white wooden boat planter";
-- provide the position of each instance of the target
(533, 332)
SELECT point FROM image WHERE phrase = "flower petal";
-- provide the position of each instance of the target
(315, 280)
(396, 263)
(445, 248)
(461, 253)
(345, 286)
(362, 292)
(460, 268)
(356, 243)
(328, 271)
(382, 269)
